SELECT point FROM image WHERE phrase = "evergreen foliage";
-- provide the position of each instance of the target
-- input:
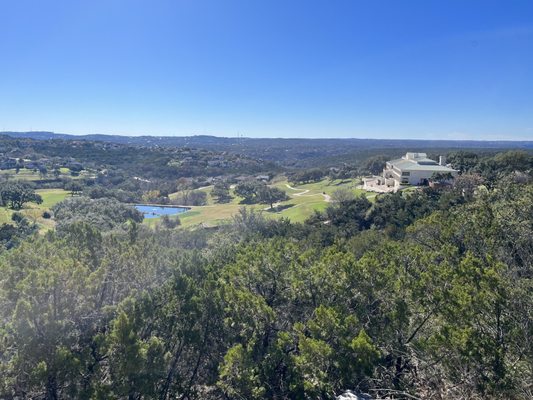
(416, 295)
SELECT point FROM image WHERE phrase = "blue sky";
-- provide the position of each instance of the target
(265, 68)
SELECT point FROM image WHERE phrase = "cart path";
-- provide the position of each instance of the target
(303, 192)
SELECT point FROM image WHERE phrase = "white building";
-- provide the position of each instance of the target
(414, 169)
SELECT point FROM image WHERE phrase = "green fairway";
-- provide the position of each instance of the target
(52, 196)
(25, 174)
(34, 212)
(303, 201)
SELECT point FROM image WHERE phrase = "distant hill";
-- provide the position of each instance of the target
(290, 151)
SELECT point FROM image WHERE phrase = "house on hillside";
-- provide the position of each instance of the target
(416, 169)
(412, 169)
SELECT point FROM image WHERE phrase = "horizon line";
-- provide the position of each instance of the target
(264, 137)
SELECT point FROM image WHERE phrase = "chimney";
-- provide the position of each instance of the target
(442, 160)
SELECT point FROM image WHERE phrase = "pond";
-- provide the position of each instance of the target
(158, 211)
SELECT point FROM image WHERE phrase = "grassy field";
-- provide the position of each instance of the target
(34, 212)
(23, 174)
(302, 203)
(31, 175)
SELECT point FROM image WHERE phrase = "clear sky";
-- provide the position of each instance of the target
(439, 69)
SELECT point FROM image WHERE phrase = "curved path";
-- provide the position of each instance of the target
(303, 192)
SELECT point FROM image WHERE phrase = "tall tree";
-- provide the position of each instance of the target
(270, 195)
(17, 193)
(221, 192)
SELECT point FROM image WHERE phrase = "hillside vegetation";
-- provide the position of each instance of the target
(273, 286)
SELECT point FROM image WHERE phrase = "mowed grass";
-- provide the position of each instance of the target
(25, 174)
(34, 212)
(303, 201)
(212, 214)
(325, 186)
(308, 198)
(52, 196)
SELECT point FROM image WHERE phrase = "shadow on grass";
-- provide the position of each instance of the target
(279, 208)
(343, 181)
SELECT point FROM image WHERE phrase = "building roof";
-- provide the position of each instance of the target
(419, 162)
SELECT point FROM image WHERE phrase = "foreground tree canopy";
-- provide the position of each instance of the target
(421, 295)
